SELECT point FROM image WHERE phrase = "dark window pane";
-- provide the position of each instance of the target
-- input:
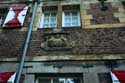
(104, 78)
(3, 12)
(44, 80)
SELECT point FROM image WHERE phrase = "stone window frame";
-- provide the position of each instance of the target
(71, 8)
(50, 16)
(60, 10)
(71, 25)
(53, 77)
(45, 10)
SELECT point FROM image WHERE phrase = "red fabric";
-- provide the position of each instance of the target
(120, 75)
(4, 77)
(14, 23)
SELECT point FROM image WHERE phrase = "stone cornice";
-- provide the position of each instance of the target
(70, 57)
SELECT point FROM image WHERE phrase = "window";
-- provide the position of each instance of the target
(71, 18)
(104, 78)
(49, 20)
(123, 3)
(2, 15)
(49, 17)
(59, 79)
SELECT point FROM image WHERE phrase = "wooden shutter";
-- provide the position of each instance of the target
(7, 77)
(15, 17)
(118, 76)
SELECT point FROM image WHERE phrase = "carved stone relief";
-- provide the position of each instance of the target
(56, 40)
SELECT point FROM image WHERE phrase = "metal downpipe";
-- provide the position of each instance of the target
(20, 68)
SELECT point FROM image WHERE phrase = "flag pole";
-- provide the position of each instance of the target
(25, 49)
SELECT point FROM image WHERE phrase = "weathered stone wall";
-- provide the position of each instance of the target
(34, 69)
(12, 40)
(88, 69)
(93, 41)
(102, 39)
(11, 43)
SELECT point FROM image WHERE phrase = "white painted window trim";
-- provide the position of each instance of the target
(51, 79)
(63, 18)
(42, 20)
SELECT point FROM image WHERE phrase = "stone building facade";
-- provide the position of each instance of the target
(72, 41)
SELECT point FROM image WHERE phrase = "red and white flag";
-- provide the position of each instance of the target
(7, 77)
(118, 76)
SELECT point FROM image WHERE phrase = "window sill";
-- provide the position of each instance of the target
(71, 27)
(49, 28)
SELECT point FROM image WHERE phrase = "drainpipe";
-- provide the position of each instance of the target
(25, 49)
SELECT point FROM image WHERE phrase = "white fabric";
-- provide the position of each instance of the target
(12, 78)
(114, 78)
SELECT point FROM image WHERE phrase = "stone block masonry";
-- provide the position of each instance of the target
(111, 18)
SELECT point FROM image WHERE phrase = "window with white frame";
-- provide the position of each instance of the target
(60, 79)
(71, 18)
(48, 19)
